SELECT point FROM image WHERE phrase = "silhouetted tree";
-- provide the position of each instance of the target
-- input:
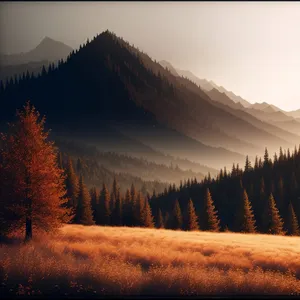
(104, 212)
(71, 184)
(177, 216)
(160, 220)
(83, 214)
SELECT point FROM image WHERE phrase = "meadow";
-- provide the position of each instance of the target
(94, 260)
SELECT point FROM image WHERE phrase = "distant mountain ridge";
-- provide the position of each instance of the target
(47, 50)
(108, 79)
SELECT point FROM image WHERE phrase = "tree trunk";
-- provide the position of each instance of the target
(28, 233)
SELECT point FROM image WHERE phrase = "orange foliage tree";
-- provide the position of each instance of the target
(32, 191)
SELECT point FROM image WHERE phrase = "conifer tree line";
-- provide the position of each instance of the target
(225, 202)
(102, 206)
(264, 198)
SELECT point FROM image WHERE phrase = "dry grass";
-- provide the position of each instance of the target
(135, 261)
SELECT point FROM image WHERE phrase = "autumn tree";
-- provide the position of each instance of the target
(191, 219)
(32, 185)
(211, 219)
(83, 214)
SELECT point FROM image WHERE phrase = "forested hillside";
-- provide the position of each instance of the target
(264, 197)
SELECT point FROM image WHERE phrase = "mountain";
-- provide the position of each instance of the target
(238, 110)
(294, 114)
(168, 66)
(107, 81)
(266, 107)
(48, 50)
(205, 84)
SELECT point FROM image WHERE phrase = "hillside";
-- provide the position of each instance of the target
(278, 176)
(118, 261)
(259, 122)
(170, 170)
(104, 70)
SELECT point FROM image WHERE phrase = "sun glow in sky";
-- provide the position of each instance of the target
(251, 48)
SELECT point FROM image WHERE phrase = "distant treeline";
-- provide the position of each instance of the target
(263, 198)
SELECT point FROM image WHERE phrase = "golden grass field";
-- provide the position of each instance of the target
(98, 260)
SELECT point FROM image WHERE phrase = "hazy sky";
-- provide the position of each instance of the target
(251, 48)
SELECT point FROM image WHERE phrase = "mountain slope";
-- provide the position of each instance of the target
(222, 99)
(104, 81)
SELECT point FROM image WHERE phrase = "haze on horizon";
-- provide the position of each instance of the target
(250, 48)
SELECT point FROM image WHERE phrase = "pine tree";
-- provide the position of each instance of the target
(191, 219)
(247, 165)
(246, 217)
(32, 186)
(177, 216)
(211, 219)
(83, 214)
(167, 221)
(273, 222)
(139, 210)
(266, 157)
(71, 184)
(160, 220)
(94, 201)
(127, 217)
(147, 216)
(118, 212)
(104, 213)
(292, 222)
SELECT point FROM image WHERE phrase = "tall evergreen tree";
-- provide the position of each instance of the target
(160, 220)
(273, 222)
(71, 184)
(248, 166)
(177, 216)
(83, 213)
(139, 210)
(104, 213)
(292, 222)
(127, 216)
(117, 213)
(191, 219)
(245, 217)
(212, 222)
(147, 216)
